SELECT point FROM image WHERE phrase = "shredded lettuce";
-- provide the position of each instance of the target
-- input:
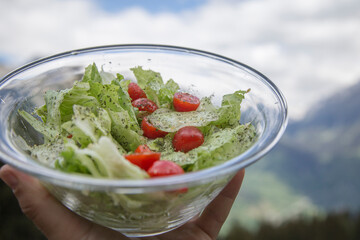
(89, 128)
(100, 159)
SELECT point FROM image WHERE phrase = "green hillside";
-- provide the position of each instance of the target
(320, 156)
(265, 198)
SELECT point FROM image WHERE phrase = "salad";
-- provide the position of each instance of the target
(106, 126)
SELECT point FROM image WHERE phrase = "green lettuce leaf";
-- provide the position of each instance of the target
(50, 127)
(152, 84)
(60, 103)
(77, 95)
(166, 94)
(106, 77)
(41, 112)
(48, 153)
(125, 102)
(206, 105)
(53, 100)
(48, 132)
(229, 112)
(122, 131)
(87, 126)
(222, 146)
(78, 135)
(101, 159)
(93, 126)
(113, 97)
(218, 147)
(73, 162)
(92, 74)
(171, 121)
(161, 144)
(106, 95)
(58, 109)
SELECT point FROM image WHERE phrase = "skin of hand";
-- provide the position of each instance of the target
(58, 222)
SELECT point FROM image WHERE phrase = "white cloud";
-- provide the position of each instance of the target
(308, 48)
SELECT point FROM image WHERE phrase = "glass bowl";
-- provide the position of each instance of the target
(139, 207)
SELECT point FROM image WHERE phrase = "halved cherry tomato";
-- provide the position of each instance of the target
(185, 102)
(142, 148)
(143, 160)
(150, 131)
(144, 104)
(187, 138)
(163, 168)
(135, 91)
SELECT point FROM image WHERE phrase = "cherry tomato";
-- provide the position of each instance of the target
(144, 104)
(135, 91)
(142, 148)
(185, 102)
(187, 138)
(150, 131)
(164, 168)
(143, 160)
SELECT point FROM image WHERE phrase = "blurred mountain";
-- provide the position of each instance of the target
(313, 170)
(339, 109)
(320, 155)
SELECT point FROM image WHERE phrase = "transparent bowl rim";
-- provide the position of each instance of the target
(79, 182)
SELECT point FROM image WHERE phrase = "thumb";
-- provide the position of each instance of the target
(52, 218)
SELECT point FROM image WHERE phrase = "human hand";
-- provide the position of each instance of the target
(58, 222)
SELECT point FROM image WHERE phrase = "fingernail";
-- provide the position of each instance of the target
(11, 180)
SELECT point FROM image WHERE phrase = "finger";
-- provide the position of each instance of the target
(52, 218)
(215, 214)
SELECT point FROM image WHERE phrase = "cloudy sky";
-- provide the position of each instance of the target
(309, 48)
